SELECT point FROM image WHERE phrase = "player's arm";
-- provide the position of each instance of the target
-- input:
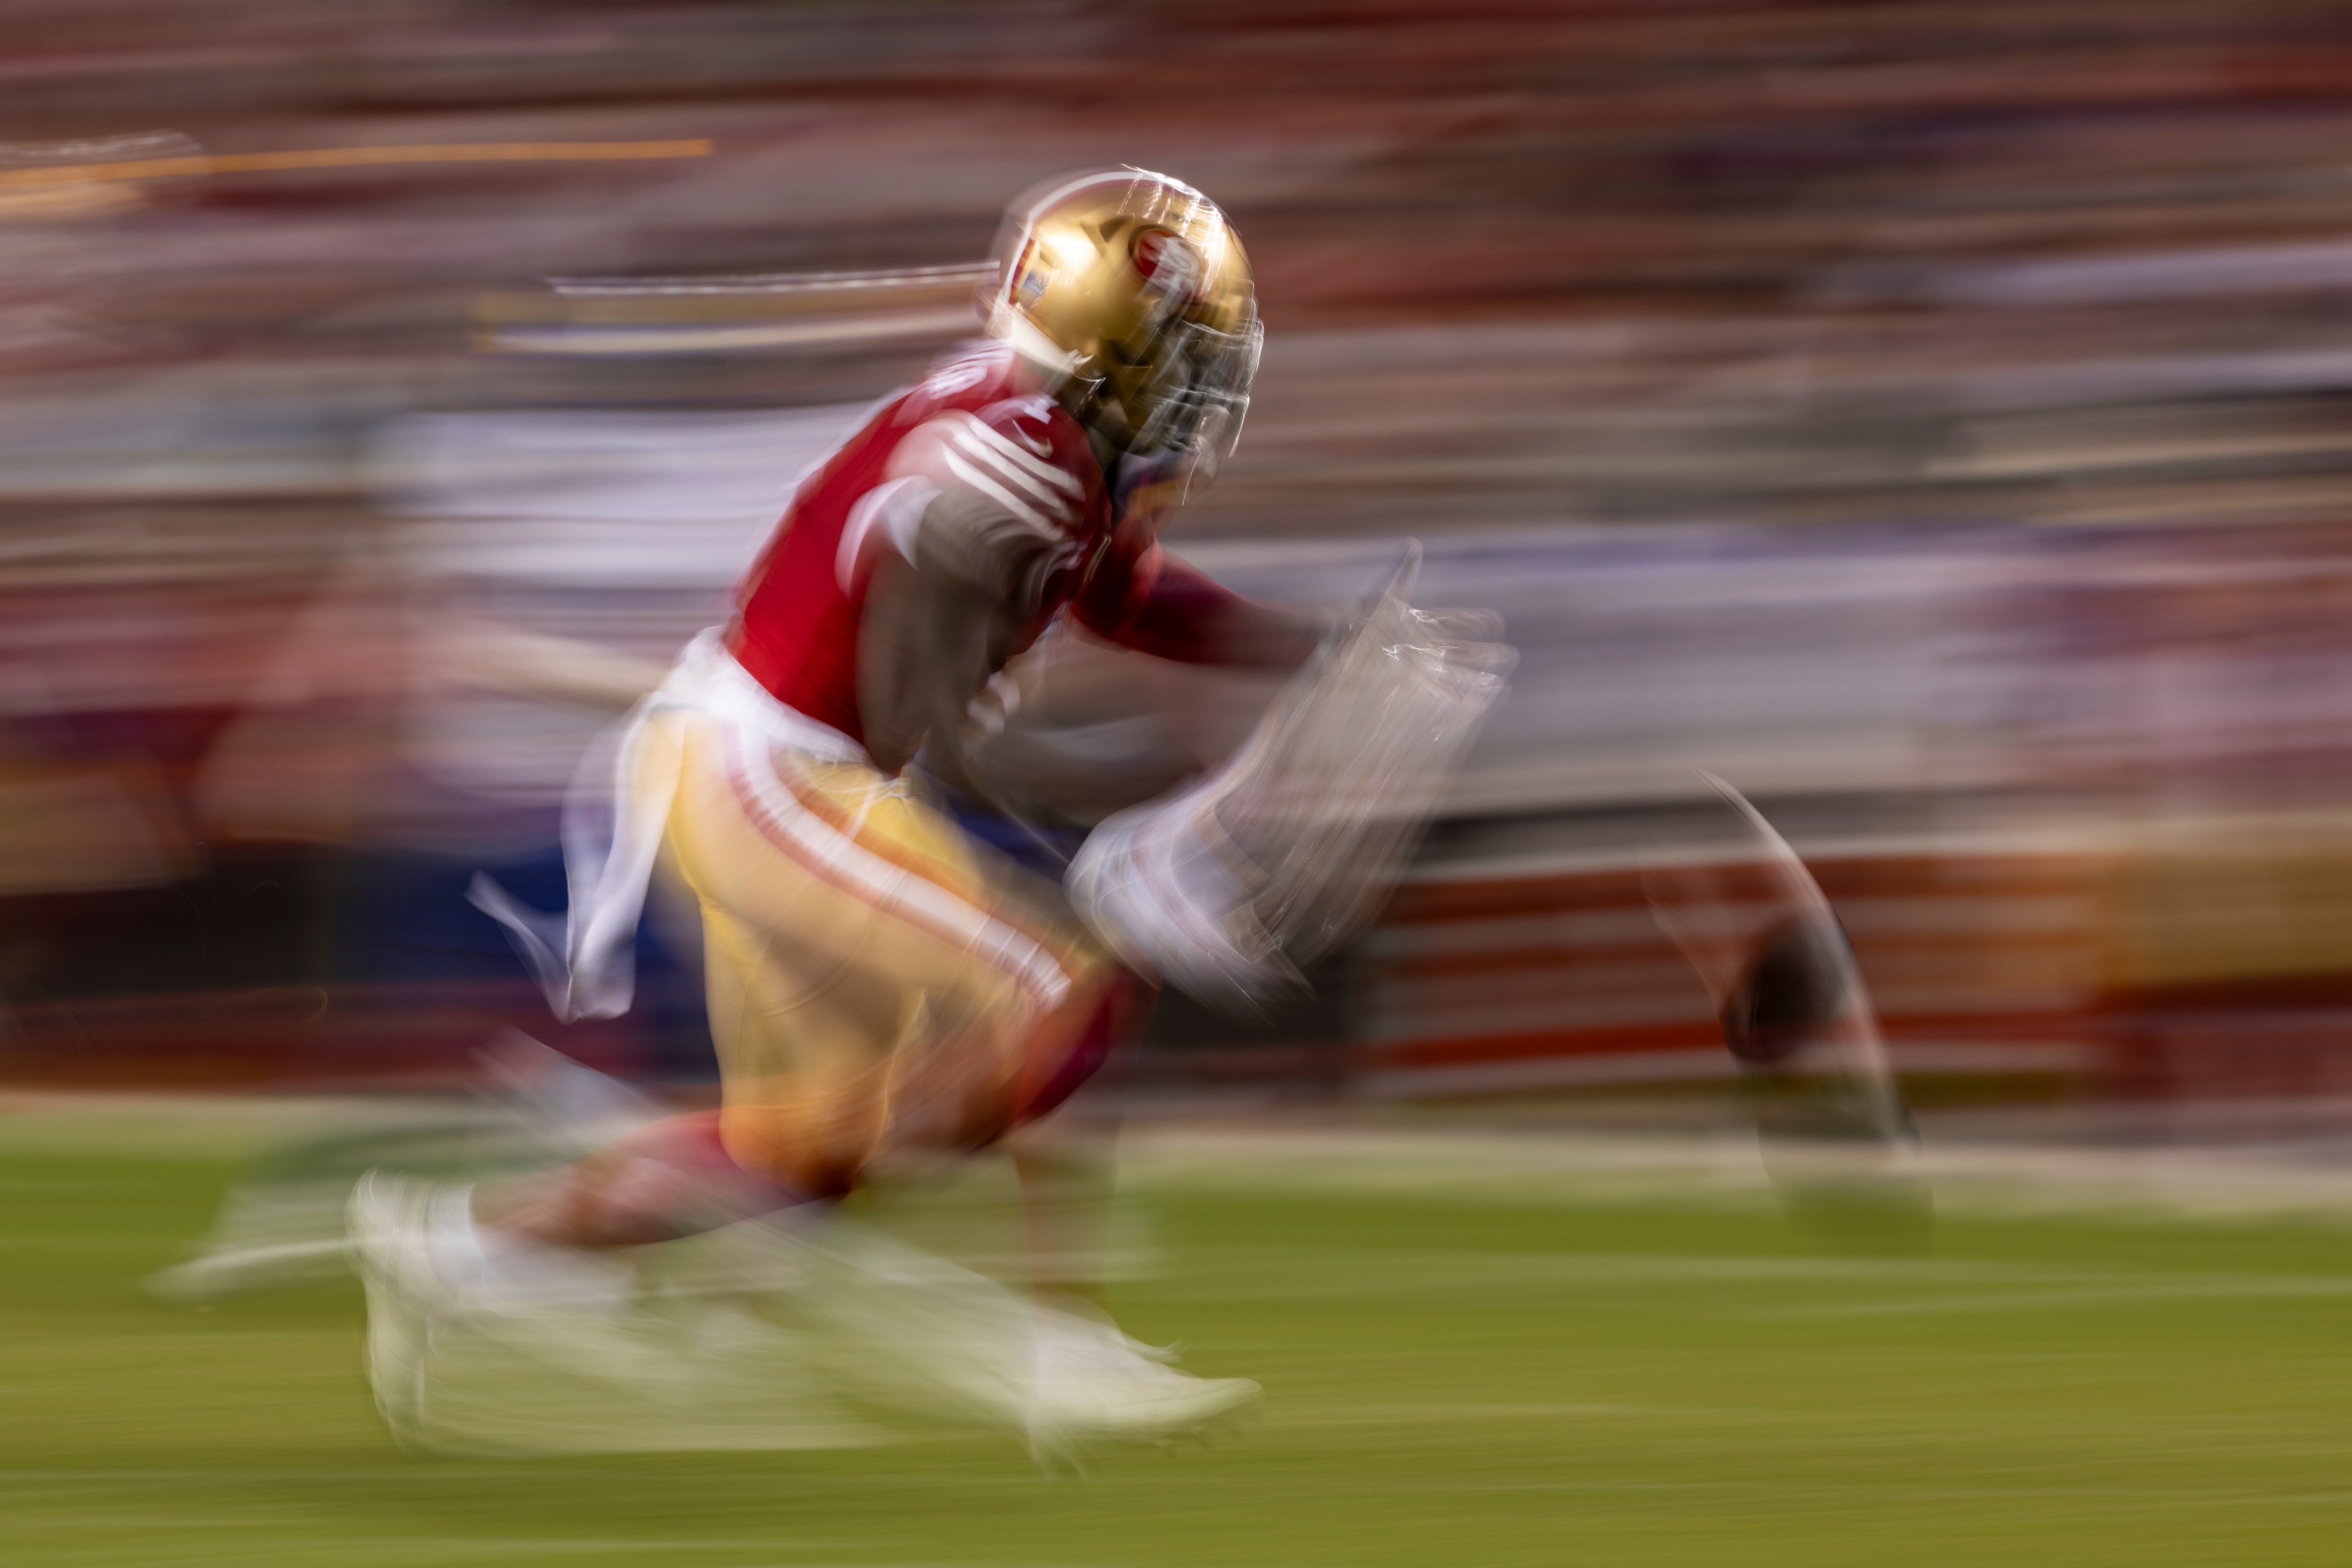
(1157, 604)
(943, 605)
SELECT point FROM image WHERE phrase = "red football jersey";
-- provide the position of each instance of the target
(981, 419)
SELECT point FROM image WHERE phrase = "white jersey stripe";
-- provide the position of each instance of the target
(1011, 502)
(897, 506)
(994, 463)
(1030, 462)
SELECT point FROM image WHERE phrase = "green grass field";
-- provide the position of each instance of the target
(1447, 1382)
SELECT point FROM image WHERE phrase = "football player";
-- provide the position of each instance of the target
(883, 987)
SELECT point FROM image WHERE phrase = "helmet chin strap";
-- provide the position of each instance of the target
(1168, 479)
(1091, 401)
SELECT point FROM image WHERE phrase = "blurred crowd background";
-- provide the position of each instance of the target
(1931, 417)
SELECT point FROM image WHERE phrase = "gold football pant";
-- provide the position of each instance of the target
(879, 982)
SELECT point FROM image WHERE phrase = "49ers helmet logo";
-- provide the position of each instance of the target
(1169, 265)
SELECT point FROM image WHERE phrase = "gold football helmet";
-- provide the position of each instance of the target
(1134, 291)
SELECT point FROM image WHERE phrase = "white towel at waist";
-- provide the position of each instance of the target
(614, 819)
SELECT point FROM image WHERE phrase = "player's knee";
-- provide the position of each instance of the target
(810, 1156)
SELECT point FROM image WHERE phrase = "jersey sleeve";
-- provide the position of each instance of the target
(964, 577)
(993, 457)
(1146, 599)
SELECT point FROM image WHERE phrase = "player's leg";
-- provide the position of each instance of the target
(667, 1179)
(954, 1006)
(881, 984)
(847, 1026)
(874, 994)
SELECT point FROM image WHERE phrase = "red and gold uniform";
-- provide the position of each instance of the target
(877, 978)
(977, 477)
(880, 982)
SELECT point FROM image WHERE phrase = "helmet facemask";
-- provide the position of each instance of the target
(1195, 394)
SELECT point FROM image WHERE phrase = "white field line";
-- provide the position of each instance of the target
(1868, 1286)
(1566, 1166)
(1518, 1166)
(2125, 1290)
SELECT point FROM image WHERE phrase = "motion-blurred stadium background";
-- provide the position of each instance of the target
(1931, 417)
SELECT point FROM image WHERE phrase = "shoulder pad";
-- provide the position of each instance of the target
(978, 373)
